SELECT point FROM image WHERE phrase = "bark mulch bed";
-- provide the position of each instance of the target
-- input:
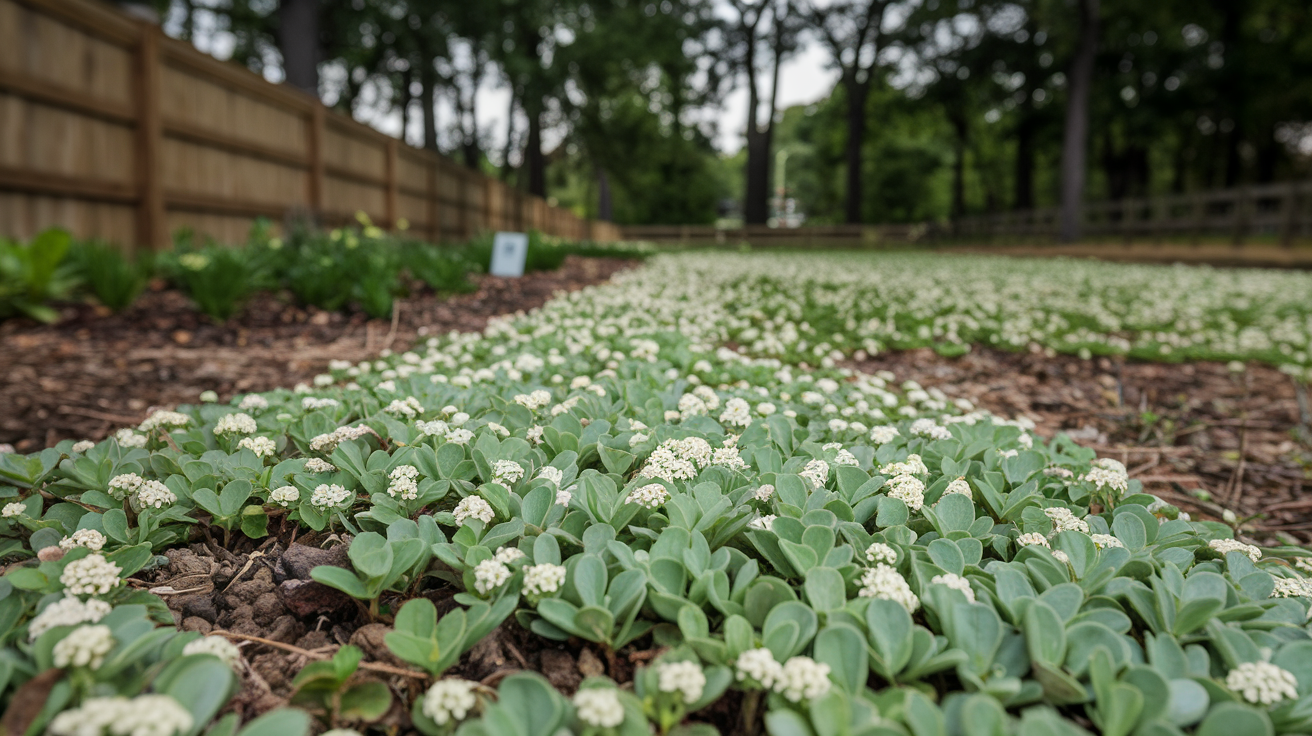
(93, 372)
(1179, 429)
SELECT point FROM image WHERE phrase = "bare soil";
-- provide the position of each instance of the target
(1180, 429)
(94, 372)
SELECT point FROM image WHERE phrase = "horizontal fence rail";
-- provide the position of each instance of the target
(1280, 212)
(115, 131)
(1277, 213)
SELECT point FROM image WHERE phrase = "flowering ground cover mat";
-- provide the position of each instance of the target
(668, 504)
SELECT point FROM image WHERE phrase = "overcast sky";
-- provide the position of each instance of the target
(804, 78)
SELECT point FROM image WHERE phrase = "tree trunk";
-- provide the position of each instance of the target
(1024, 199)
(756, 204)
(959, 125)
(407, 77)
(428, 78)
(535, 162)
(510, 138)
(298, 40)
(856, 133)
(604, 212)
(1074, 147)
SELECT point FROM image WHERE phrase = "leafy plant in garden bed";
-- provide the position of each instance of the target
(807, 552)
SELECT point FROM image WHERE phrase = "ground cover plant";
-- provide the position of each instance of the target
(361, 267)
(648, 471)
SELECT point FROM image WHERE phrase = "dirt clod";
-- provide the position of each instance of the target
(560, 670)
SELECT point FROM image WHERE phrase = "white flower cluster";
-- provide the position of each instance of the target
(318, 465)
(908, 489)
(263, 447)
(1222, 546)
(884, 581)
(473, 507)
(878, 552)
(1105, 541)
(127, 438)
(253, 402)
(67, 611)
(144, 715)
(507, 472)
(539, 580)
(1110, 474)
(913, 465)
(89, 538)
(762, 523)
(1291, 588)
(215, 646)
(507, 555)
(1064, 520)
(404, 482)
(737, 413)
(960, 487)
(599, 707)
(1262, 683)
(490, 575)
(684, 678)
(82, 446)
(449, 700)
(816, 473)
(883, 434)
(85, 646)
(678, 459)
(803, 678)
(956, 582)
(285, 496)
(91, 575)
(235, 423)
(1032, 538)
(409, 407)
(928, 428)
(551, 474)
(165, 420)
(154, 494)
(124, 485)
(763, 493)
(313, 403)
(534, 401)
(329, 441)
(729, 457)
(326, 496)
(650, 496)
(758, 666)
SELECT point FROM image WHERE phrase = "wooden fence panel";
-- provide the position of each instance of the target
(113, 131)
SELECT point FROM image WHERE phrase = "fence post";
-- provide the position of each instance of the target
(390, 196)
(434, 209)
(152, 227)
(1291, 203)
(314, 140)
(1243, 200)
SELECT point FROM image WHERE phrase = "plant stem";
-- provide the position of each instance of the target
(748, 714)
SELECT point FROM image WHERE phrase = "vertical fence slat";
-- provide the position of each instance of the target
(152, 228)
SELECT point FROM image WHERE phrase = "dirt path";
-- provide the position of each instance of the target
(1178, 428)
(92, 373)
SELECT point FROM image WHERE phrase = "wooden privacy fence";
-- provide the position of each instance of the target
(1280, 212)
(810, 236)
(115, 131)
(1271, 212)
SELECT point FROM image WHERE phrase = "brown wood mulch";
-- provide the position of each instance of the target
(93, 372)
(1241, 439)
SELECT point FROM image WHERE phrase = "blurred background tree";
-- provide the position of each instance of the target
(940, 108)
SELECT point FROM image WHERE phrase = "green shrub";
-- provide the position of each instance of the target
(115, 279)
(218, 279)
(34, 273)
(444, 269)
